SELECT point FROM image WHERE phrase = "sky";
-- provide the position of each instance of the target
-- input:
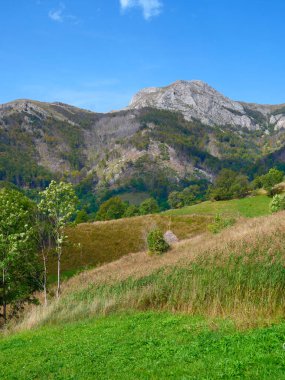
(97, 54)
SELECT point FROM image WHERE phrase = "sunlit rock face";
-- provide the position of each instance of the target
(197, 100)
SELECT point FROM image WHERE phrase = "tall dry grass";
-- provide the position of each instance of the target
(237, 274)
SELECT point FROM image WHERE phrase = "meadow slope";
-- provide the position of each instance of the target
(211, 308)
(238, 273)
(93, 244)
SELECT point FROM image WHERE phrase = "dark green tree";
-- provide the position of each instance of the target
(114, 208)
(229, 185)
(132, 210)
(175, 199)
(149, 206)
(20, 272)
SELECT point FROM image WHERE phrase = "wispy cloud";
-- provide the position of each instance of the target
(150, 8)
(59, 14)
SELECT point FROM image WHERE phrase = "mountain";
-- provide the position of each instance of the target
(166, 139)
(197, 100)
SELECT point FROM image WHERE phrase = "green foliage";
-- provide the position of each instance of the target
(229, 185)
(175, 199)
(267, 181)
(277, 203)
(85, 191)
(220, 223)
(149, 206)
(114, 208)
(58, 203)
(190, 195)
(148, 175)
(156, 243)
(20, 275)
(164, 152)
(132, 210)
(81, 217)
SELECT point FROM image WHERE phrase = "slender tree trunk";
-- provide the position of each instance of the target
(59, 251)
(4, 296)
(45, 276)
(58, 276)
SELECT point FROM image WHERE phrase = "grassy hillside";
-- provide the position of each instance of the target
(144, 346)
(246, 207)
(103, 242)
(213, 307)
(237, 274)
(92, 244)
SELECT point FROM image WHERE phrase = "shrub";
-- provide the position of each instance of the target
(149, 206)
(175, 200)
(229, 185)
(269, 180)
(114, 208)
(277, 203)
(132, 210)
(156, 243)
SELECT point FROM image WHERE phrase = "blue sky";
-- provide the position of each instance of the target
(96, 54)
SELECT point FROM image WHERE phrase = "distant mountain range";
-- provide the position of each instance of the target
(166, 138)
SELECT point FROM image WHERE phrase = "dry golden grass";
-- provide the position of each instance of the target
(103, 242)
(245, 232)
(138, 281)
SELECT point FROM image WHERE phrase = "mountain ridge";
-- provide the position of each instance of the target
(198, 100)
(143, 147)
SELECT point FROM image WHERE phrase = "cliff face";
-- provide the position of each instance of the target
(197, 100)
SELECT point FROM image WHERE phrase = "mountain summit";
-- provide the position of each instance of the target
(196, 100)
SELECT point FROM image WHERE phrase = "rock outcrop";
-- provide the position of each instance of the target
(197, 100)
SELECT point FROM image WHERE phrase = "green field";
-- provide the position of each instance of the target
(144, 346)
(246, 207)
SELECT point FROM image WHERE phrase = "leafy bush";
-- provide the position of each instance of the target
(229, 185)
(189, 196)
(132, 210)
(149, 206)
(267, 181)
(220, 223)
(277, 203)
(114, 208)
(156, 243)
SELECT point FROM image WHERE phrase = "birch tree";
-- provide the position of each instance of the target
(58, 202)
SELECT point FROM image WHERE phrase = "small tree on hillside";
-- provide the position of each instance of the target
(149, 206)
(58, 202)
(113, 208)
(228, 185)
(272, 178)
(45, 241)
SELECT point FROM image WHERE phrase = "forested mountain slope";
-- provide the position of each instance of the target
(164, 140)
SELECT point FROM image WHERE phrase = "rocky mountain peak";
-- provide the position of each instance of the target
(197, 100)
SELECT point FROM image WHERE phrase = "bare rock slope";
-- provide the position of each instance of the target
(197, 100)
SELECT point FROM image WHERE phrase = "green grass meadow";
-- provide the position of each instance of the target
(144, 346)
(246, 207)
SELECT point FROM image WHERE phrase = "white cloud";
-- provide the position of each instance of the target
(59, 15)
(150, 8)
